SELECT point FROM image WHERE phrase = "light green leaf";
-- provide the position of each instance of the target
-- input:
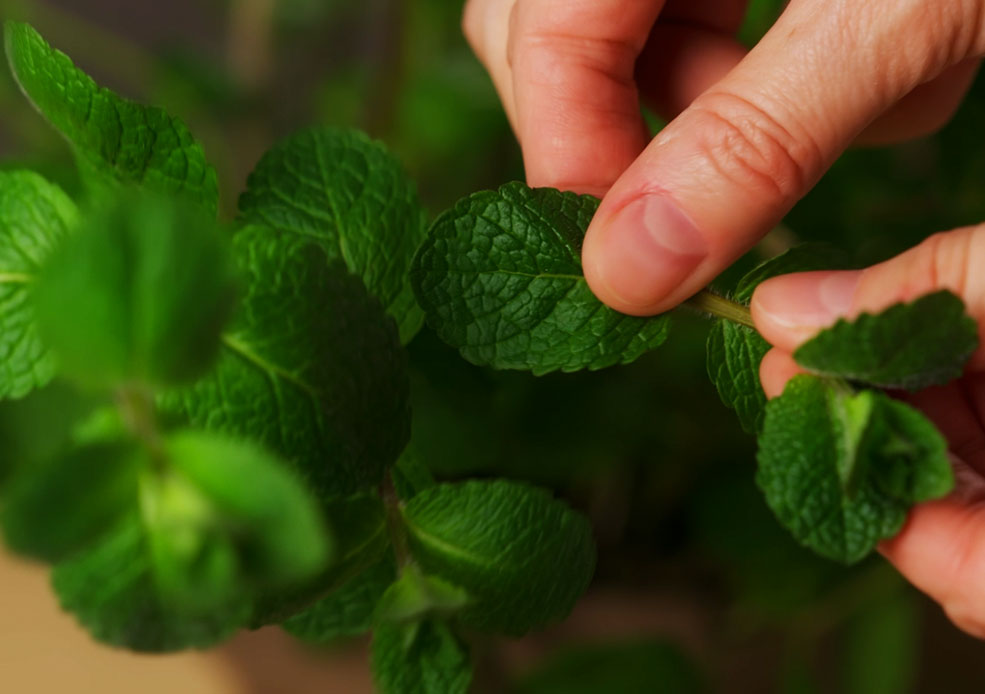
(112, 591)
(421, 658)
(115, 140)
(310, 367)
(734, 355)
(225, 520)
(359, 525)
(58, 507)
(140, 293)
(349, 610)
(500, 279)
(915, 345)
(523, 557)
(34, 218)
(416, 595)
(410, 474)
(840, 469)
(353, 197)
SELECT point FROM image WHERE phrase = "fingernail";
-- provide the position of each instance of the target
(647, 249)
(809, 299)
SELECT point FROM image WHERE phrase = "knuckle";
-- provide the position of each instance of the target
(755, 150)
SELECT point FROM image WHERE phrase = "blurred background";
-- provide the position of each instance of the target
(697, 589)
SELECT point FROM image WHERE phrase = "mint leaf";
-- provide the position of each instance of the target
(500, 279)
(310, 367)
(840, 469)
(112, 591)
(362, 544)
(734, 355)
(139, 293)
(348, 193)
(421, 658)
(34, 217)
(523, 557)
(53, 509)
(349, 610)
(225, 520)
(115, 140)
(914, 345)
(806, 257)
(416, 595)
(410, 475)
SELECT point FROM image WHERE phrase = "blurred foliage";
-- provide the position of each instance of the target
(649, 450)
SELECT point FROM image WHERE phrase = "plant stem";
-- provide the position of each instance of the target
(708, 302)
(395, 525)
(136, 405)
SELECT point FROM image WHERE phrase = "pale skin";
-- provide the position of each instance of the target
(751, 133)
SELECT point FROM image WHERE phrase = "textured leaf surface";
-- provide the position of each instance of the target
(310, 367)
(500, 279)
(840, 470)
(912, 346)
(111, 590)
(115, 140)
(523, 557)
(34, 218)
(734, 354)
(63, 504)
(139, 293)
(354, 198)
(422, 658)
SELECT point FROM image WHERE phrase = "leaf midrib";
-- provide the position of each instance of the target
(16, 278)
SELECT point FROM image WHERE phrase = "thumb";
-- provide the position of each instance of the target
(732, 164)
(790, 309)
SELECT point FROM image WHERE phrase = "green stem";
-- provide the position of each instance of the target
(136, 405)
(395, 525)
(708, 302)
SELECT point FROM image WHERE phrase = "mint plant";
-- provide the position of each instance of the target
(240, 456)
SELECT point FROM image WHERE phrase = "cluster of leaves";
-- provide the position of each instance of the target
(840, 462)
(242, 456)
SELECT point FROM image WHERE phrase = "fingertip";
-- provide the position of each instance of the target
(776, 369)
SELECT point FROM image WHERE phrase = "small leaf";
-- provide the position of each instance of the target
(421, 658)
(500, 279)
(115, 140)
(840, 470)
(310, 367)
(112, 591)
(139, 293)
(55, 508)
(523, 557)
(806, 257)
(734, 355)
(416, 595)
(353, 197)
(923, 343)
(349, 610)
(410, 475)
(34, 218)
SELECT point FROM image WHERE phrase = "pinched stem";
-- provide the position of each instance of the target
(709, 302)
(136, 405)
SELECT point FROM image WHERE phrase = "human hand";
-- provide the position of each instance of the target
(941, 549)
(755, 130)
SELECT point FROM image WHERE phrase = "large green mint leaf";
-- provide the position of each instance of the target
(500, 279)
(349, 610)
(422, 658)
(140, 293)
(359, 525)
(923, 343)
(112, 591)
(310, 367)
(523, 557)
(353, 197)
(804, 258)
(34, 218)
(734, 354)
(115, 140)
(57, 507)
(840, 470)
(226, 520)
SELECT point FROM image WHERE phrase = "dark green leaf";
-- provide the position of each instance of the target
(500, 279)
(112, 591)
(913, 346)
(523, 557)
(115, 140)
(410, 475)
(804, 258)
(353, 197)
(310, 367)
(734, 354)
(421, 658)
(34, 217)
(55, 508)
(841, 469)
(140, 293)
